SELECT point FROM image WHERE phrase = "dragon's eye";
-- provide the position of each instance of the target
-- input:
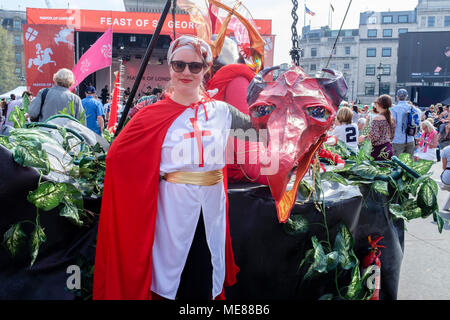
(318, 112)
(262, 110)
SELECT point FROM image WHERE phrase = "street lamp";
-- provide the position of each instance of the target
(353, 87)
(380, 73)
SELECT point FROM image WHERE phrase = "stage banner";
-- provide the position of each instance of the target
(121, 21)
(97, 57)
(47, 49)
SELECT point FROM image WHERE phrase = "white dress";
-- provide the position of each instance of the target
(179, 205)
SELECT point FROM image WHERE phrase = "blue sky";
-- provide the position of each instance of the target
(277, 10)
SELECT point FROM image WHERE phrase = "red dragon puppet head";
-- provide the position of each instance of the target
(296, 110)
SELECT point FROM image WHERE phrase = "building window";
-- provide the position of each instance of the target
(371, 33)
(387, 52)
(17, 24)
(369, 88)
(386, 70)
(387, 33)
(313, 67)
(387, 19)
(402, 19)
(371, 52)
(431, 21)
(18, 58)
(17, 41)
(370, 70)
(402, 30)
(447, 21)
(18, 71)
(347, 50)
(372, 20)
(313, 52)
(346, 66)
(385, 87)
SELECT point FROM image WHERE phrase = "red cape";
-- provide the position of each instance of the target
(123, 262)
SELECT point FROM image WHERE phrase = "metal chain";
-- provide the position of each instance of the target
(174, 6)
(295, 49)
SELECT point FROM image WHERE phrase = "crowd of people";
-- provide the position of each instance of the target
(394, 128)
(52, 101)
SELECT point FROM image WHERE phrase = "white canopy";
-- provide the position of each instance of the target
(17, 91)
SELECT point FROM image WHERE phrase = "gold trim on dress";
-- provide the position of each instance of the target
(201, 178)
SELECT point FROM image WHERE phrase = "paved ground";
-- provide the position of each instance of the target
(425, 273)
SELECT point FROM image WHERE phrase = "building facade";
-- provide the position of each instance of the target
(378, 49)
(318, 52)
(12, 21)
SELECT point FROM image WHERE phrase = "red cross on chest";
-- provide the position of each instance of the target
(198, 134)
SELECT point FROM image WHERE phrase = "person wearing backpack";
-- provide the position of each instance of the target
(407, 119)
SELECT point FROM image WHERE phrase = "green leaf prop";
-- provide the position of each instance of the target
(357, 290)
(72, 205)
(365, 151)
(32, 134)
(381, 187)
(365, 171)
(25, 103)
(343, 245)
(48, 195)
(30, 154)
(422, 166)
(71, 212)
(322, 263)
(438, 219)
(426, 198)
(406, 159)
(406, 211)
(14, 239)
(333, 176)
(17, 117)
(4, 141)
(296, 224)
(37, 238)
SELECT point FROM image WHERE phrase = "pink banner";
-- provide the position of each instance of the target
(98, 56)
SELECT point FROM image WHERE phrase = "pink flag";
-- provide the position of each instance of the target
(98, 56)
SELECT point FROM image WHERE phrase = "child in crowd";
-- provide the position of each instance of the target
(345, 129)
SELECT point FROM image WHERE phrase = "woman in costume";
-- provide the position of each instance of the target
(163, 228)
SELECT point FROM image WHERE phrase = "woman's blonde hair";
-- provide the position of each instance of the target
(64, 78)
(345, 115)
(427, 123)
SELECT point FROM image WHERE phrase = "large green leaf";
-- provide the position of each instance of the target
(364, 151)
(365, 171)
(37, 238)
(422, 166)
(17, 117)
(381, 187)
(406, 159)
(25, 103)
(323, 263)
(406, 211)
(438, 219)
(14, 238)
(32, 134)
(70, 212)
(355, 288)
(426, 198)
(415, 185)
(296, 224)
(31, 154)
(343, 245)
(48, 195)
(333, 176)
(4, 141)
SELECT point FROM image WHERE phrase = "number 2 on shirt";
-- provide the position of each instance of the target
(350, 134)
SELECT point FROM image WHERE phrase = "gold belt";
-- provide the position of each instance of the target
(208, 178)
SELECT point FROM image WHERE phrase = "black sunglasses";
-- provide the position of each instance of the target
(194, 67)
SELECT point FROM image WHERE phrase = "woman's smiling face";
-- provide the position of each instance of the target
(186, 81)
